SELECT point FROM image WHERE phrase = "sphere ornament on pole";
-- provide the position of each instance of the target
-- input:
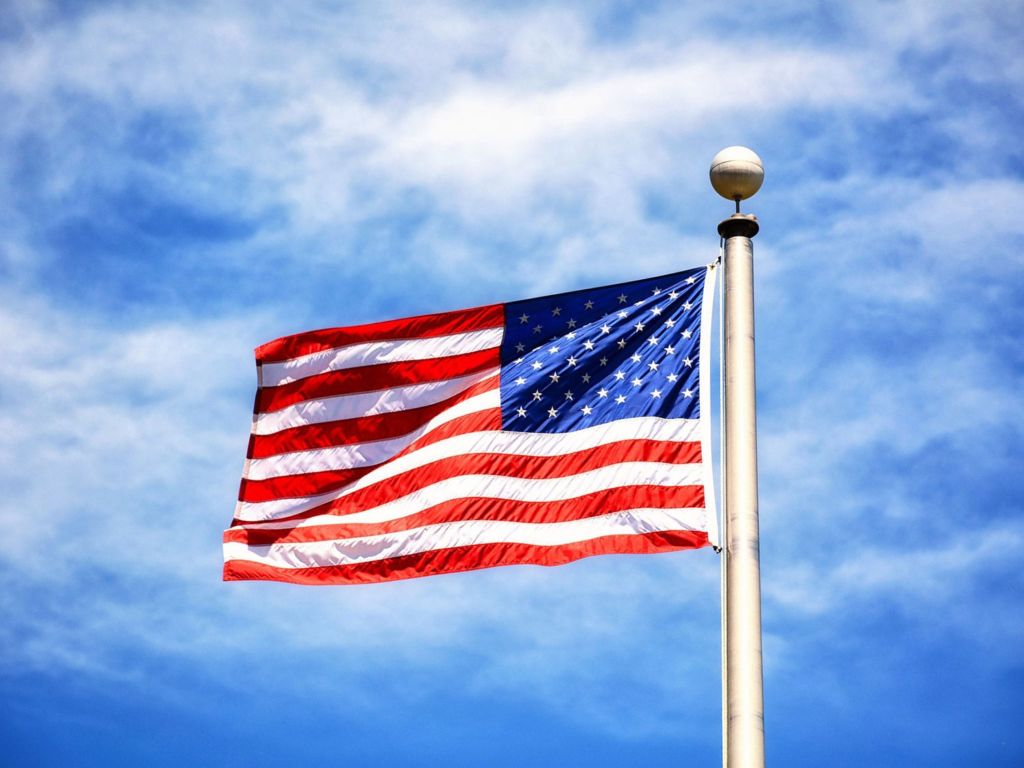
(737, 173)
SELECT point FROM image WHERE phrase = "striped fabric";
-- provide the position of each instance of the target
(534, 432)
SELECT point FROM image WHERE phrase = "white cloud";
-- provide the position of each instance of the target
(492, 133)
(938, 588)
(369, 106)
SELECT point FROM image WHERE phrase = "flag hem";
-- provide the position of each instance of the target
(706, 319)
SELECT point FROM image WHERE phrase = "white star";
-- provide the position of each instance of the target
(602, 392)
(536, 365)
(622, 298)
(620, 399)
(537, 328)
(520, 347)
(670, 350)
(588, 344)
(553, 350)
(636, 382)
(635, 358)
(553, 376)
(656, 291)
(687, 334)
(604, 361)
(552, 412)
(521, 411)
(670, 323)
(571, 360)
(556, 311)
(587, 410)
(656, 394)
(621, 343)
(688, 362)
(568, 395)
(536, 395)
(520, 381)
(673, 295)
(655, 310)
(606, 328)
(571, 324)
(518, 360)
(639, 327)
(623, 313)
(524, 318)
(687, 393)
(687, 305)
(586, 378)
(653, 341)
(691, 280)
(652, 365)
(672, 377)
(620, 375)
(588, 305)
(638, 303)
(571, 335)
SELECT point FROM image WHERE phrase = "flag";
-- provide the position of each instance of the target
(532, 432)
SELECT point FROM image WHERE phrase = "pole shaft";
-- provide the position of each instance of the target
(744, 683)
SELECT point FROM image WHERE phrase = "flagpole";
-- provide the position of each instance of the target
(736, 174)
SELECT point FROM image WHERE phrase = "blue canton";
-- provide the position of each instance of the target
(588, 357)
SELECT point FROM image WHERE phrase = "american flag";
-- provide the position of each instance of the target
(533, 432)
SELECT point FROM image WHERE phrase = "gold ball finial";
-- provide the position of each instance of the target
(737, 173)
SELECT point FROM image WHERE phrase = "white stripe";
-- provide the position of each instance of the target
(624, 474)
(378, 352)
(388, 400)
(365, 454)
(521, 443)
(464, 533)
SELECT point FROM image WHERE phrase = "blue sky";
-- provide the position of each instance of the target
(182, 181)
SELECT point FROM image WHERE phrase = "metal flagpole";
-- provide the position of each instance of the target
(736, 174)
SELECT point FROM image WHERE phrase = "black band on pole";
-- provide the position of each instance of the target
(739, 225)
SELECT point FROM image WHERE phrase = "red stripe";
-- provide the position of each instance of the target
(564, 510)
(315, 483)
(467, 558)
(421, 327)
(501, 465)
(370, 378)
(362, 429)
